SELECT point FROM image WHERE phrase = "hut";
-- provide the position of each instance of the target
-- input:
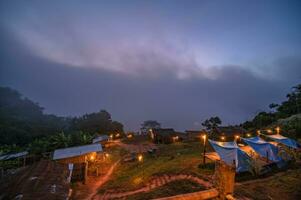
(229, 132)
(166, 135)
(78, 159)
(194, 134)
(12, 160)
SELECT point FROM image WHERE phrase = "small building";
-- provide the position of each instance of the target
(13, 160)
(194, 134)
(78, 154)
(78, 158)
(166, 135)
(13, 155)
(229, 132)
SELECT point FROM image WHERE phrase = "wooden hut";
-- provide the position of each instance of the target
(78, 158)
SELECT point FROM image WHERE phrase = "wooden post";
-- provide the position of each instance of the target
(24, 161)
(2, 172)
(85, 172)
(224, 178)
(204, 154)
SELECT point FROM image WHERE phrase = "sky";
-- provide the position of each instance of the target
(177, 62)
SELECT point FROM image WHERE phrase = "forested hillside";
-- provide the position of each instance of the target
(285, 114)
(24, 124)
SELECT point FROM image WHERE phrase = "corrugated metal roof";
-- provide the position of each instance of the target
(76, 151)
(13, 155)
(100, 138)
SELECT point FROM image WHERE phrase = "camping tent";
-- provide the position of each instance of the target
(263, 148)
(230, 152)
(284, 140)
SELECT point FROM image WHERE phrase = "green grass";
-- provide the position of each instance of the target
(171, 159)
(170, 189)
(284, 185)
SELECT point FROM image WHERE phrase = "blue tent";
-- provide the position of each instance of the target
(263, 148)
(229, 152)
(284, 140)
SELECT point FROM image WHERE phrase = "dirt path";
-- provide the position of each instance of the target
(101, 181)
(155, 183)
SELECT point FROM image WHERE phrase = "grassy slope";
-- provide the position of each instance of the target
(170, 189)
(285, 185)
(173, 158)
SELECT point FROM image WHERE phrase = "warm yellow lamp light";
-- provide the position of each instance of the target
(140, 158)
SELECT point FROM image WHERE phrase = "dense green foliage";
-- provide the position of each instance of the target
(23, 124)
(291, 106)
(100, 122)
(22, 120)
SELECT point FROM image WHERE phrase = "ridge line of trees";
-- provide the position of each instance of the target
(24, 125)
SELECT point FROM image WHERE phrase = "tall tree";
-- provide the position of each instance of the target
(211, 123)
(151, 124)
(99, 122)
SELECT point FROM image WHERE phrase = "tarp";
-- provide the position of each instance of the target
(263, 148)
(284, 140)
(230, 152)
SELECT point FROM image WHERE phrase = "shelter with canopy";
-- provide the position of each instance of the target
(263, 148)
(229, 152)
(284, 140)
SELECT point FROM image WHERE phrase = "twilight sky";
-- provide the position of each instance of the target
(178, 62)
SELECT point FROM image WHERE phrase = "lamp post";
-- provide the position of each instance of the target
(236, 137)
(278, 130)
(140, 160)
(204, 158)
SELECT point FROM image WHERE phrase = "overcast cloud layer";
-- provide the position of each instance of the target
(175, 62)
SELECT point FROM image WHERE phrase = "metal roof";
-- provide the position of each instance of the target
(76, 151)
(13, 155)
(100, 138)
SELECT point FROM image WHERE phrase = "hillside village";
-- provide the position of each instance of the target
(216, 162)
